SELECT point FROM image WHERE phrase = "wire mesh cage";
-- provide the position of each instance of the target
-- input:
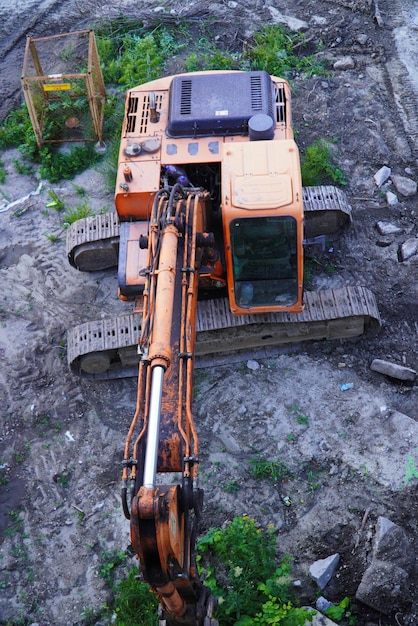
(63, 87)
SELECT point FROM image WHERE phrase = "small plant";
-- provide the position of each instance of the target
(22, 168)
(312, 483)
(16, 524)
(301, 418)
(80, 191)
(342, 612)
(76, 213)
(2, 173)
(133, 56)
(275, 470)
(109, 562)
(62, 478)
(232, 486)
(134, 604)
(19, 456)
(56, 203)
(239, 565)
(317, 167)
(53, 238)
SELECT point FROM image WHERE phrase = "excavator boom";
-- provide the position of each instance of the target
(163, 438)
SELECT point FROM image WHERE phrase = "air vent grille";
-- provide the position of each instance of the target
(131, 114)
(137, 116)
(257, 99)
(186, 97)
(280, 98)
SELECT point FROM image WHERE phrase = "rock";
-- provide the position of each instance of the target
(345, 63)
(322, 570)
(385, 583)
(382, 175)
(393, 370)
(405, 186)
(253, 365)
(387, 228)
(391, 542)
(322, 604)
(291, 22)
(382, 586)
(408, 249)
(362, 39)
(318, 20)
(391, 198)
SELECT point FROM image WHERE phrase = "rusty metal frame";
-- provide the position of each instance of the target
(93, 80)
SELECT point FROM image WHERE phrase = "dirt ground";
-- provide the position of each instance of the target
(61, 439)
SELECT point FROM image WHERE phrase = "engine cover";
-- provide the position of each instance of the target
(218, 103)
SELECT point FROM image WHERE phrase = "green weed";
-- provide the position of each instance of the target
(239, 565)
(2, 173)
(15, 525)
(56, 166)
(342, 611)
(134, 603)
(297, 412)
(275, 470)
(76, 213)
(109, 562)
(132, 55)
(211, 58)
(15, 128)
(63, 479)
(22, 168)
(312, 482)
(281, 53)
(317, 167)
(232, 486)
(52, 237)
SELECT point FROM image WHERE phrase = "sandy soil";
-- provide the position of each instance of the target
(61, 440)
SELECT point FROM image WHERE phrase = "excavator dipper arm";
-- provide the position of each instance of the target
(163, 438)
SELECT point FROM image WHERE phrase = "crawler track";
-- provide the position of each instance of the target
(108, 348)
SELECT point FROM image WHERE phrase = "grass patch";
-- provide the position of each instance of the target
(134, 603)
(56, 166)
(271, 469)
(131, 53)
(317, 165)
(2, 173)
(76, 213)
(240, 567)
(282, 53)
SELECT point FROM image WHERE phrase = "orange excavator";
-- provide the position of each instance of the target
(209, 236)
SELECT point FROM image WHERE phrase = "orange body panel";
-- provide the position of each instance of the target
(261, 177)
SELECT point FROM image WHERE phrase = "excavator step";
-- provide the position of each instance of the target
(93, 242)
(107, 348)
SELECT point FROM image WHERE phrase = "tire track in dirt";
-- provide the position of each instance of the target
(401, 75)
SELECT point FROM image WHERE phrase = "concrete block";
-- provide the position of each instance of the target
(322, 570)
